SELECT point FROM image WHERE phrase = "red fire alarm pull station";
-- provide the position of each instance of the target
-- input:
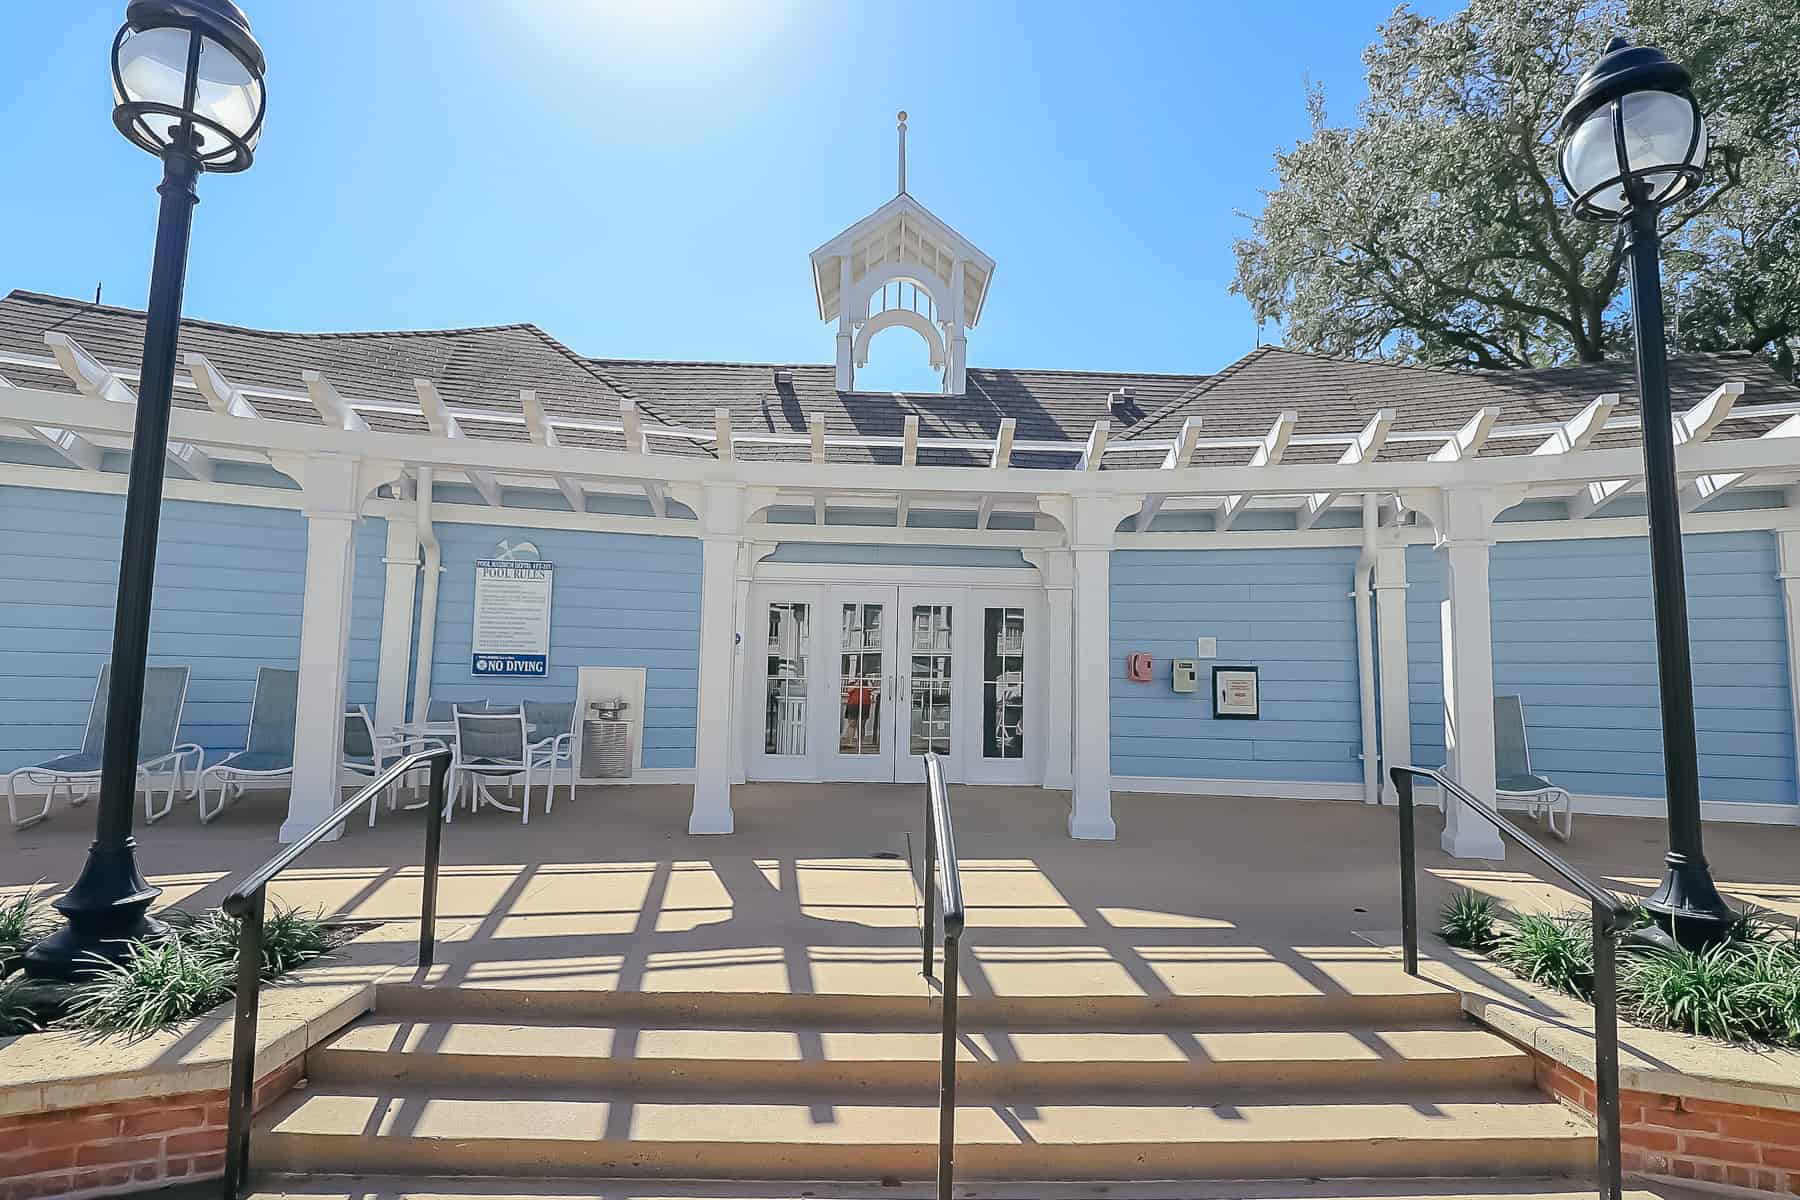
(1137, 668)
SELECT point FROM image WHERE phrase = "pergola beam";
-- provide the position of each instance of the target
(1709, 487)
(544, 434)
(75, 450)
(1579, 431)
(1366, 448)
(909, 457)
(1469, 439)
(722, 434)
(1179, 455)
(1003, 444)
(1274, 445)
(999, 461)
(1095, 449)
(631, 427)
(1691, 427)
(816, 427)
(333, 409)
(92, 378)
(443, 422)
(222, 396)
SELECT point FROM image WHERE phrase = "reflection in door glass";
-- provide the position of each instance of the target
(930, 681)
(1003, 683)
(784, 680)
(859, 672)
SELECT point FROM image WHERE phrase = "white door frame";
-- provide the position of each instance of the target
(825, 587)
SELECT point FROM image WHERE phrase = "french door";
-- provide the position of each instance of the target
(853, 682)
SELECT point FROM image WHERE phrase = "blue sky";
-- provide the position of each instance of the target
(646, 180)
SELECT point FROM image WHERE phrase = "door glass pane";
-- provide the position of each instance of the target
(859, 675)
(784, 679)
(930, 679)
(1003, 683)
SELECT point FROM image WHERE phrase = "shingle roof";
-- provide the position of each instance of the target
(481, 368)
(1339, 395)
(486, 367)
(1048, 405)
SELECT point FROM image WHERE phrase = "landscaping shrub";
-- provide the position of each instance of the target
(154, 986)
(1556, 951)
(1745, 991)
(194, 969)
(1468, 920)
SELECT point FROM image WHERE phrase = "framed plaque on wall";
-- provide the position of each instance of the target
(1235, 694)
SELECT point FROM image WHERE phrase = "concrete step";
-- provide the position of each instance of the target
(1039, 1065)
(1379, 993)
(580, 1133)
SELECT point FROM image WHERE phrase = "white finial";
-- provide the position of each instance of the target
(902, 119)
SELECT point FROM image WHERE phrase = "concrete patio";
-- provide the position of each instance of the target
(1197, 894)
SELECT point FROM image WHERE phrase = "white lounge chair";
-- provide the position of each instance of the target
(1514, 780)
(268, 751)
(77, 775)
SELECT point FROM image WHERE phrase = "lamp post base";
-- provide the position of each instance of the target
(1688, 906)
(108, 909)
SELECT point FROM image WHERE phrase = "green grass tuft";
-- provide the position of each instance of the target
(1468, 920)
(1556, 951)
(155, 986)
(290, 937)
(24, 919)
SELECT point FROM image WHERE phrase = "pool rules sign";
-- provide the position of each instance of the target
(512, 618)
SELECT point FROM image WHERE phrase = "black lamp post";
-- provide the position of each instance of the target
(188, 87)
(1633, 141)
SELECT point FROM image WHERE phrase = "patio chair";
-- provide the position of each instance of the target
(268, 751)
(77, 775)
(1514, 780)
(552, 724)
(445, 710)
(496, 746)
(367, 754)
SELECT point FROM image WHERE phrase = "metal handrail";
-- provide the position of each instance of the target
(1608, 912)
(943, 882)
(246, 902)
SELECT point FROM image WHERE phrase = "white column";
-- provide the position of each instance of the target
(402, 562)
(1090, 809)
(721, 520)
(1787, 544)
(332, 487)
(1464, 536)
(1093, 527)
(1057, 671)
(1390, 625)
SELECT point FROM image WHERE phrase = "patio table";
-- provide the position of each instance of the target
(418, 732)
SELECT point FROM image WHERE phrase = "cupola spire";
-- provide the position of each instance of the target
(902, 122)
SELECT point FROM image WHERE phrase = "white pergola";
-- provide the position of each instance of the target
(697, 483)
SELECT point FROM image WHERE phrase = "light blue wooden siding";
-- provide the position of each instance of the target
(1574, 636)
(618, 600)
(229, 582)
(1288, 612)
